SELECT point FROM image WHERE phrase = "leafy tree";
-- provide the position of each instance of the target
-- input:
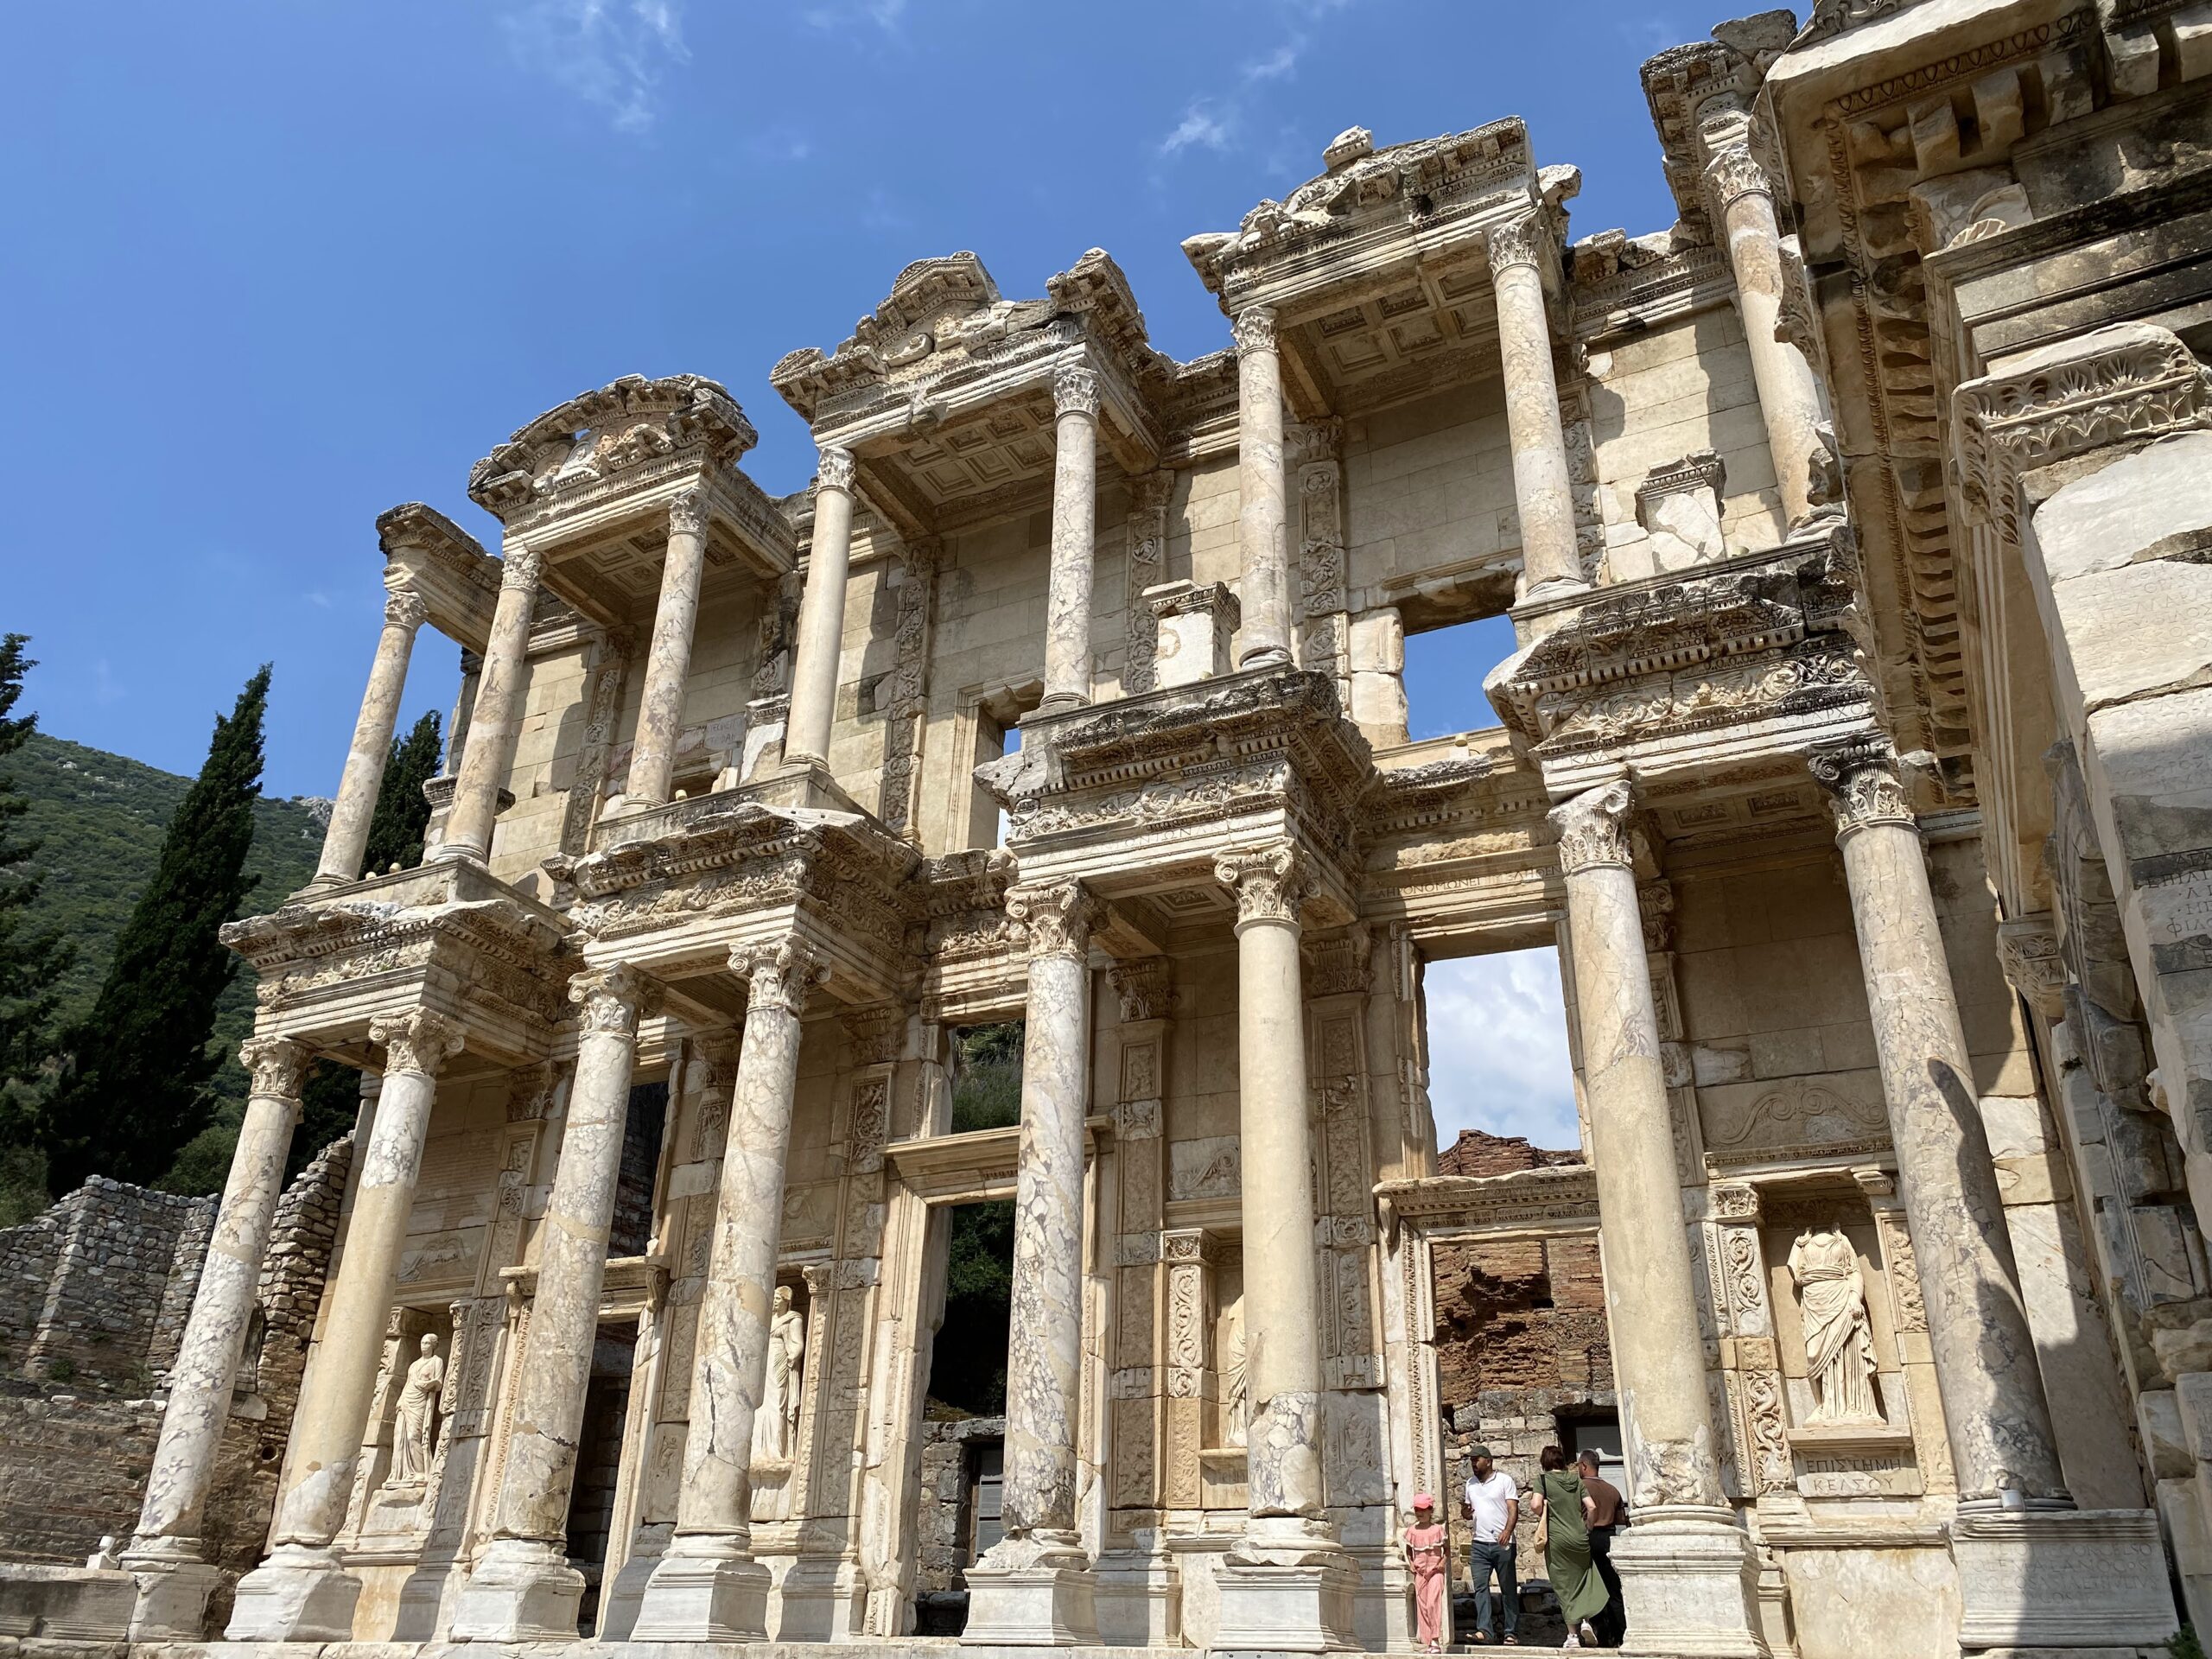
(135, 1087)
(968, 1362)
(986, 1075)
(330, 1099)
(403, 811)
(31, 963)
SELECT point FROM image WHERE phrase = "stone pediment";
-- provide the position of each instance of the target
(599, 436)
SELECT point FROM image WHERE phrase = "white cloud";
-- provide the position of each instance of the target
(884, 14)
(1280, 61)
(609, 53)
(1197, 127)
(1497, 1056)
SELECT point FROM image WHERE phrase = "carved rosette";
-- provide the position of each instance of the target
(1144, 987)
(1075, 391)
(781, 974)
(417, 1040)
(1734, 172)
(611, 999)
(1517, 242)
(276, 1065)
(1860, 776)
(520, 566)
(1270, 883)
(1593, 828)
(1253, 330)
(687, 514)
(1053, 921)
(403, 608)
(835, 470)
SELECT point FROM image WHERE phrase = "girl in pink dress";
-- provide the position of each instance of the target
(1424, 1546)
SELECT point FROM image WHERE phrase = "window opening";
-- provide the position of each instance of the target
(1494, 1030)
(631, 1232)
(986, 1067)
(968, 1365)
(1445, 668)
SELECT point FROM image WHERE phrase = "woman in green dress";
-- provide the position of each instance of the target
(1564, 1509)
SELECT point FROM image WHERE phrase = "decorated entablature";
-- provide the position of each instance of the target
(594, 484)
(446, 937)
(428, 554)
(946, 395)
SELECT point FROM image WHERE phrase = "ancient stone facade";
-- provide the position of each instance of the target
(1854, 753)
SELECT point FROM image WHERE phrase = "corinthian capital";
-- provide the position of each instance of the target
(520, 565)
(1520, 241)
(403, 608)
(1733, 172)
(687, 513)
(1054, 921)
(417, 1040)
(1075, 391)
(1861, 775)
(781, 974)
(1593, 828)
(1270, 883)
(276, 1065)
(835, 470)
(611, 999)
(1253, 330)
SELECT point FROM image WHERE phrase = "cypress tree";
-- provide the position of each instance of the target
(403, 811)
(135, 1087)
(30, 963)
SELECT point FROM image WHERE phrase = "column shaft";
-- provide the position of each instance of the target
(1984, 1352)
(347, 838)
(708, 1587)
(1789, 401)
(1544, 504)
(822, 613)
(201, 1382)
(1264, 592)
(668, 662)
(1075, 511)
(495, 721)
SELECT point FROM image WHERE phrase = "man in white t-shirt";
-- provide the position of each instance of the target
(1493, 1504)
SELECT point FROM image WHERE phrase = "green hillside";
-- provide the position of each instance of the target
(101, 818)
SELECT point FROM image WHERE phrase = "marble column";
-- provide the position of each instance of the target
(166, 1555)
(1984, 1353)
(668, 662)
(1262, 516)
(1549, 560)
(1287, 1582)
(495, 721)
(1074, 516)
(1789, 401)
(822, 614)
(1035, 1587)
(303, 1592)
(523, 1588)
(1691, 1572)
(347, 838)
(708, 1587)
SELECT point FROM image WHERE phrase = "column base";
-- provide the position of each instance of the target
(1032, 1592)
(2074, 1578)
(712, 1592)
(523, 1589)
(1305, 1609)
(1689, 1578)
(805, 782)
(65, 1604)
(301, 1593)
(173, 1586)
(1140, 1600)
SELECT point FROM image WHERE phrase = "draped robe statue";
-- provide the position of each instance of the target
(1832, 1309)
(414, 1419)
(775, 1426)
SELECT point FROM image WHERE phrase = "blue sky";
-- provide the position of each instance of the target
(273, 265)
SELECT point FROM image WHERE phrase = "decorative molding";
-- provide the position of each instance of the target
(1520, 241)
(1734, 173)
(781, 974)
(521, 566)
(835, 469)
(404, 607)
(1860, 776)
(277, 1065)
(2027, 946)
(417, 1040)
(1253, 330)
(687, 513)
(1145, 987)
(611, 999)
(1075, 391)
(1593, 828)
(1270, 883)
(1054, 921)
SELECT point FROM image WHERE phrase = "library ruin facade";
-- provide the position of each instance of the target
(1856, 754)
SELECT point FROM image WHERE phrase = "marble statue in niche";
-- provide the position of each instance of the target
(413, 1435)
(1832, 1311)
(1236, 1386)
(775, 1426)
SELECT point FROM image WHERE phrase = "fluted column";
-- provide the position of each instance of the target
(822, 613)
(303, 1592)
(1978, 1335)
(1549, 560)
(708, 1587)
(668, 662)
(1261, 533)
(1692, 1576)
(1034, 1586)
(166, 1555)
(523, 1588)
(495, 721)
(1075, 513)
(347, 838)
(1789, 401)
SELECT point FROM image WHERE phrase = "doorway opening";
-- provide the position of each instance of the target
(599, 1461)
(968, 1365)
(631, 1233)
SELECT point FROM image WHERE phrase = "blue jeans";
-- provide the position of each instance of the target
(1486, 1559)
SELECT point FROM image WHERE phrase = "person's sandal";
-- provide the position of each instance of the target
(1512, 1641)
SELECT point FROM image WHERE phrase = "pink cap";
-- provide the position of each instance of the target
(1423, 1500)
